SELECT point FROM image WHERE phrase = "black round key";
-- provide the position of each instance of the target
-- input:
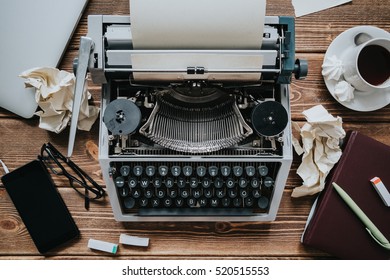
(268, 182)
(172, 193)
(137, 170)
(157, 182)
(169, 182)
(179, 202)
(208, 193)
(124, 192)
(237, 202)
(187, 170)
(194, 182)
(143, 202)
(150, 170)
(225, 202)
(250, 170)
(244, 193)
(176, 170)
(148, 193)
(155, 202)
(248, 201)
(242, 182)
(214, 202)
(144, 182)
(191, 202)
(181, 182)
(184, 193)
(206, 182)
(256, 193)
(167, 202)
(263, 202)
(225, 170)
(163, 170)
(119, 182)
(237, 171)
(132, 182)
(125, 170)
(203, 202)
(196, 193)
(160, 193)
(220, 193)
(136, 193)
(263, 170)
(232, 193)
(129, 202)
(218, 183)
(201, 171)
(230, 183)
(255, 182)
(213, 171)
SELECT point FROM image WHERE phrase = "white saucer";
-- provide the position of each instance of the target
(363, 101)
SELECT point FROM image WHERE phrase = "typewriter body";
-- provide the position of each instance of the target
(193, 143)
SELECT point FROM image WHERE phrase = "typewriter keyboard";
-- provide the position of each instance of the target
(193, 188)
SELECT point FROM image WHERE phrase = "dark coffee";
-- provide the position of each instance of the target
(374, 64)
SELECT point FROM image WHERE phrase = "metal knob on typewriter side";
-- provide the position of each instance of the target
(301, 69)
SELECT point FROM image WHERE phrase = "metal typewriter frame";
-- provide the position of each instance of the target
(98, 72)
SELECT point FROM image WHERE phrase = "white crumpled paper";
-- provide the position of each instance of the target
(54, 95)
(320, 137)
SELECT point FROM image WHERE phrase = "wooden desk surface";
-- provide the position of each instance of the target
(21, 141)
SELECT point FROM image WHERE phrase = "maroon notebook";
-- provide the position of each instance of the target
(333, 227)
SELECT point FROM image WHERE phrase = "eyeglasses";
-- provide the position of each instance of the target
(78, 179)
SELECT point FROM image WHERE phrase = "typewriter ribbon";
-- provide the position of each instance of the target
(122, 117)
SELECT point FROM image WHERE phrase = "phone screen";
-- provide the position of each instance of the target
(40, 206)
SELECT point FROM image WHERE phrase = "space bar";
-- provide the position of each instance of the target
(195, 212)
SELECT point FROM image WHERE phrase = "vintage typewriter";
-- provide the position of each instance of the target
(192, 143)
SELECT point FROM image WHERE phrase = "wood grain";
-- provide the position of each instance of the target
(21, 141)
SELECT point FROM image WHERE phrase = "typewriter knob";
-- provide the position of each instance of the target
(301, 69)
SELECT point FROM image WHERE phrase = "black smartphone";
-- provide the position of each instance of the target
(40, 206)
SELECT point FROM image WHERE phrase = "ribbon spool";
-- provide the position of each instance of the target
(269, 118)
(122, 117)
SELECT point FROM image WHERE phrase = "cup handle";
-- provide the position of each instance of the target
(362, 38)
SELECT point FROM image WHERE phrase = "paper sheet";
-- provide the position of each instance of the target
(320, 137)
(305, 7)
(208, 61)
(54, 95)
(197, 24)
(200, 25)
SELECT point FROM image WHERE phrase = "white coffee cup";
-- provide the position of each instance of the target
(367, 63)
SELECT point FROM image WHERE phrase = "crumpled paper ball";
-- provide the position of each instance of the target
(54, 95)
(320, 136)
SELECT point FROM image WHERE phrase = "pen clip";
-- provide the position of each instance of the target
(384, 245)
